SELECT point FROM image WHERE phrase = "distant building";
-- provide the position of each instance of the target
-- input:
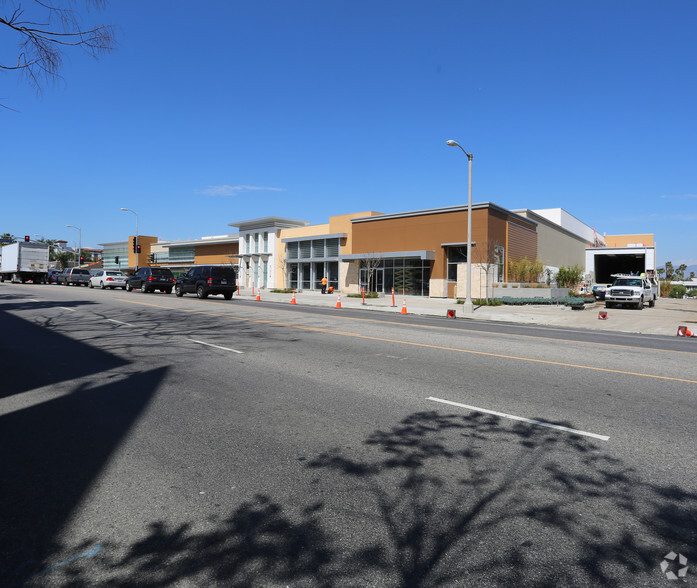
(176, 255)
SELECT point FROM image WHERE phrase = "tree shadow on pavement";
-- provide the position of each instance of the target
(437, 500)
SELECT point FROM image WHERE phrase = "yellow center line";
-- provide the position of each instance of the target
(413, 344)
(493, 333)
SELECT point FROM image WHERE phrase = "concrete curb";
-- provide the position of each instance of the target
(663, 319)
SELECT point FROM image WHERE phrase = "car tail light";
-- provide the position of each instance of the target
(209, 281)
(110, 279)
(151, 279)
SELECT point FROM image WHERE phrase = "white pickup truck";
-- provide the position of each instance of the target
(632, 291)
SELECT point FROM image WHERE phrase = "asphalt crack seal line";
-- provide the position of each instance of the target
(411, 343)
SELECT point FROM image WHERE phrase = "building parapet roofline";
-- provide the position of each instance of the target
(445, 209)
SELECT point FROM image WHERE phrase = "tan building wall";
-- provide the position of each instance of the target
(521, 242)
(339, 224)
(145, 242)
(280, 254)
(429, 231)
(219, 253)
(422, 231)
(629, 240)
(342, 224)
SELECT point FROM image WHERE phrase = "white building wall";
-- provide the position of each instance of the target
(255, 254)
(568, 222)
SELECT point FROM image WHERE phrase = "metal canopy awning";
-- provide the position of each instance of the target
(424, 254)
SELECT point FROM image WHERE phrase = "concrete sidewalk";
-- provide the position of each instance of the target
(663, 319)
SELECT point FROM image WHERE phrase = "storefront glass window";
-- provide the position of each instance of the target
(293, 276)
(292, 250)
(306, 276)
(333, 274)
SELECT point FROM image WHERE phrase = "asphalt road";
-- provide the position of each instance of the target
(155, 441)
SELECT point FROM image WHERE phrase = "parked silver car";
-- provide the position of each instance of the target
(108, 279)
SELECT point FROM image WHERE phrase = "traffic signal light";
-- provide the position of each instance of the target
(116, 259)
(135, 246)
(152, 258)
(81, 259)
(138, 248)
(26, 238)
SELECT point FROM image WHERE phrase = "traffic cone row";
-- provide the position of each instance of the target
(685, 332)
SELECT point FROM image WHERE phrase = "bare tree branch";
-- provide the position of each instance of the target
(41, 44)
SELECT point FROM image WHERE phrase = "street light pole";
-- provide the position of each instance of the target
(136, 242)
(79, 247)
(468, 306)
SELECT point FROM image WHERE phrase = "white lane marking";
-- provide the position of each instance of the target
(33, 300)
(119, 322)
(216, 346)
(66, 308)
(523, 419)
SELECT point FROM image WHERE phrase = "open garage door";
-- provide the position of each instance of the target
(607, 264)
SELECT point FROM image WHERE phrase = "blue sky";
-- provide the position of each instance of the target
(220, 111)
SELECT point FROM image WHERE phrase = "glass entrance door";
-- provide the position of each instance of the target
(376, 280)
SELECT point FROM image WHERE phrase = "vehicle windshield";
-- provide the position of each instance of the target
(156, 271)
(627, 282)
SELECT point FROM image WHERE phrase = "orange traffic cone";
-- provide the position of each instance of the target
(685, 332)
(338, 302)
(258, 298)
(602, 315)
(404, 306)
(292, 300)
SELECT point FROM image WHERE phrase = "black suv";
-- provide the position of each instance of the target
(207, 279)
(149, 279)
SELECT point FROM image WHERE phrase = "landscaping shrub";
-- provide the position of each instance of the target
(677, 291)
(566, 301)
(568, 277)
(482, 302)
(524, 270)
(367, 295)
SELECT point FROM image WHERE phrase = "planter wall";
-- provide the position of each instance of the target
(522, 292)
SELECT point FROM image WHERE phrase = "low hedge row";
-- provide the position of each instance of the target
(566, 300)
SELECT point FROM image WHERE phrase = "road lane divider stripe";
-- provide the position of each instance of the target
(119, 322)
(414, 344)
(493, 333)
(66, 308)
(216, 346)
(522, 419)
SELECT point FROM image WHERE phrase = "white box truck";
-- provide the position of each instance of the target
(23, 261)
